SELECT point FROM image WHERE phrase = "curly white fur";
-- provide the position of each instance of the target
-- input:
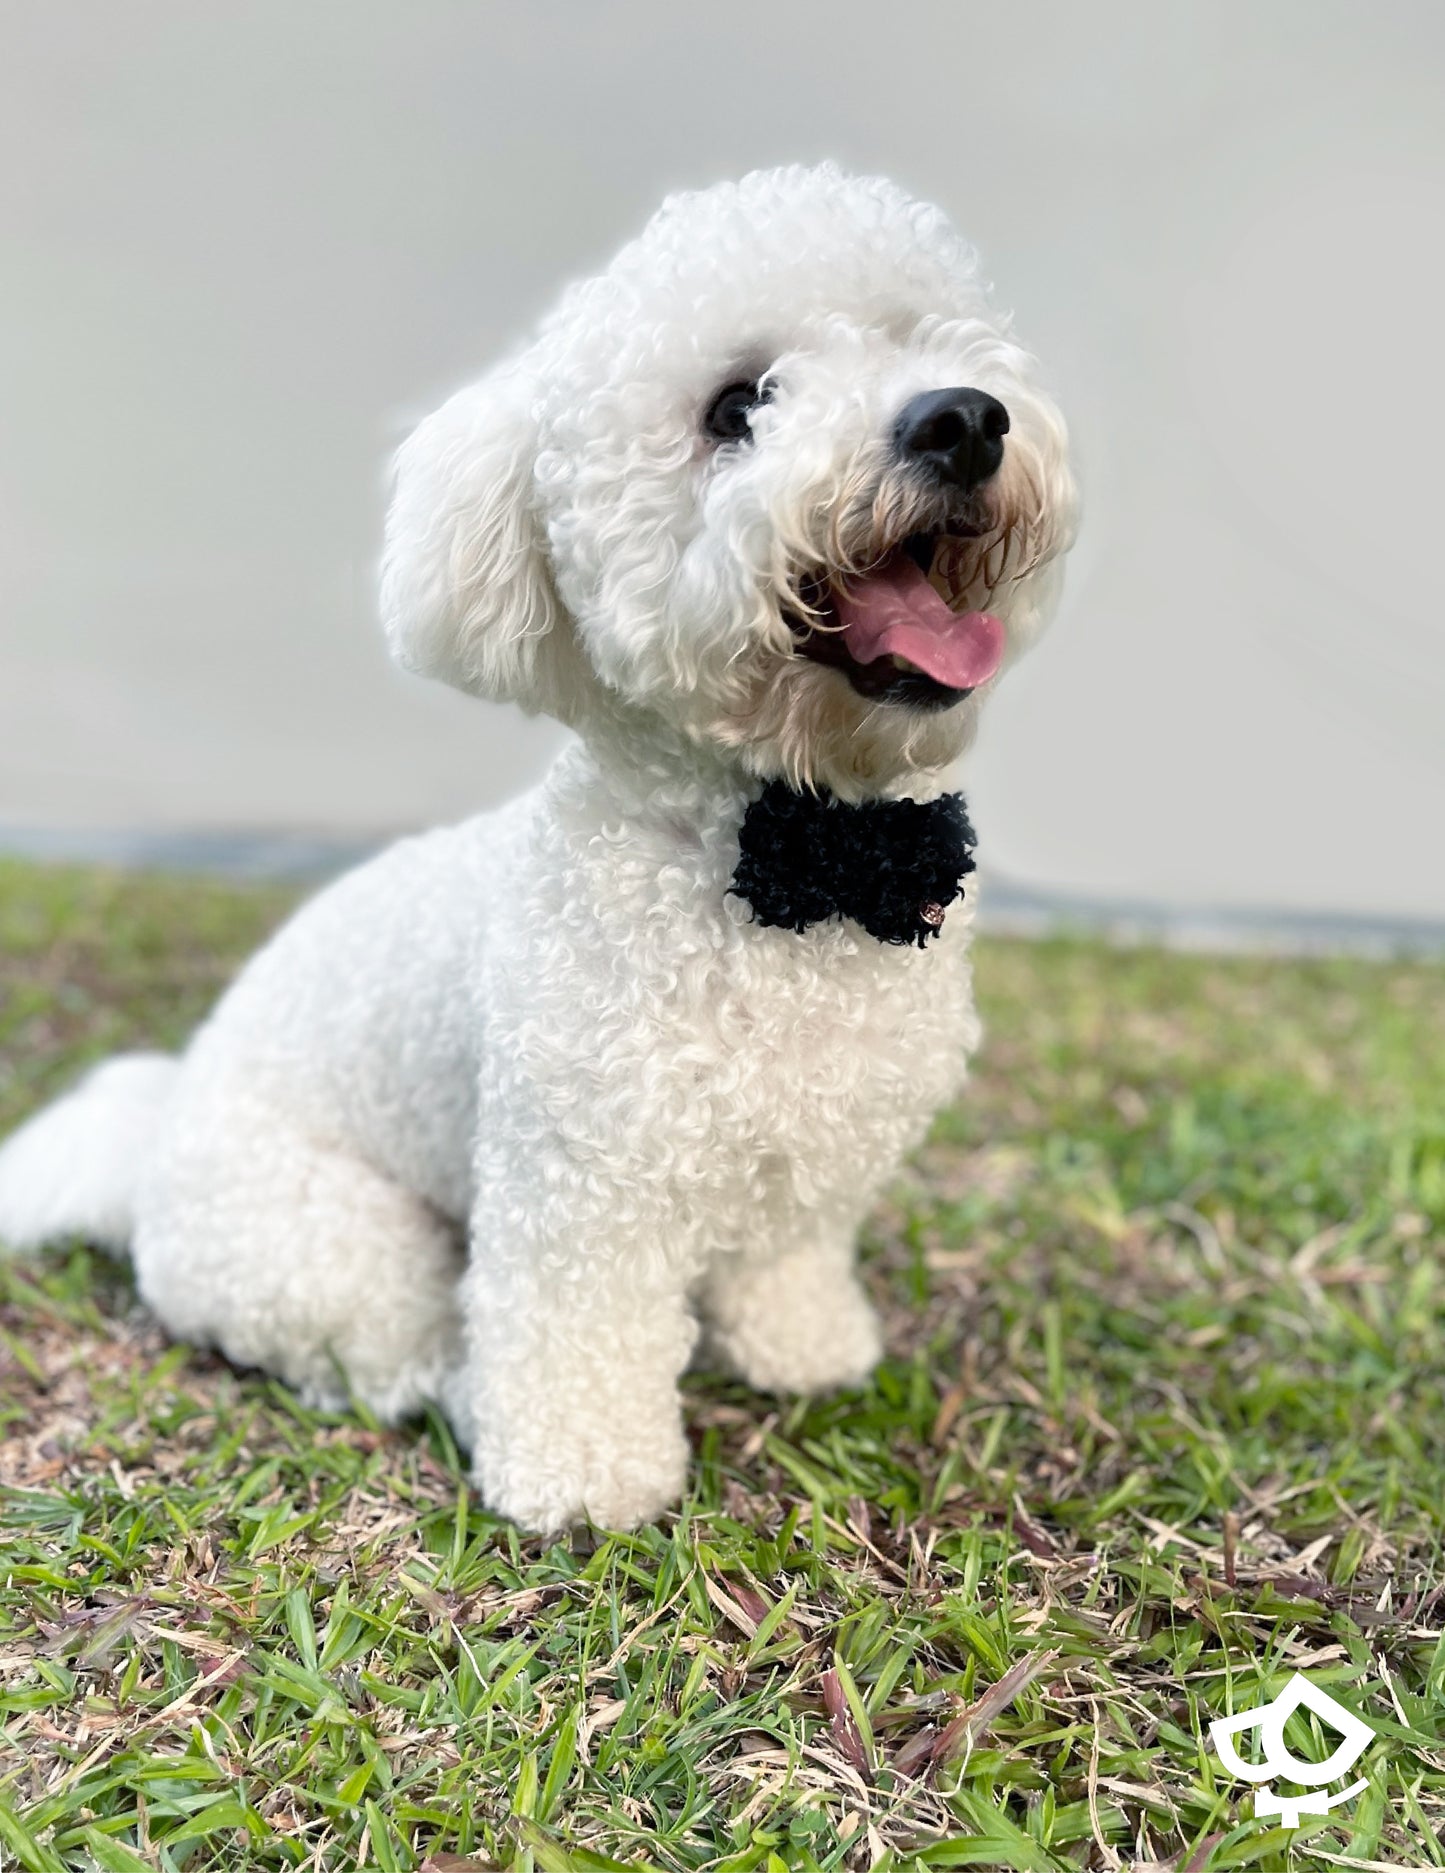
(496, 1120)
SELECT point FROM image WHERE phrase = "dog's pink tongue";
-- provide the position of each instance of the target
(897, 613)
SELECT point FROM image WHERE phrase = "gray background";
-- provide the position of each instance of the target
(243, 246)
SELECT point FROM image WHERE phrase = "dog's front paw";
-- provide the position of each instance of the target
(548, 1486)
(781, 1340)
(792, 1320)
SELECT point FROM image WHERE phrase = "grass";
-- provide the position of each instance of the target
(1163, 1420)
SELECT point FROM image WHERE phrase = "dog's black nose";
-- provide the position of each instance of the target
(957, 435)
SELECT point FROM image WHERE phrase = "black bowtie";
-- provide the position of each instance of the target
(894, 866)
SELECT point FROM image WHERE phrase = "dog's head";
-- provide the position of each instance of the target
(779, 477)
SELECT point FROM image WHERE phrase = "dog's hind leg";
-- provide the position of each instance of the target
(305, 1260)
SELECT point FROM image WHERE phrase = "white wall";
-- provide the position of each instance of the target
(243, 246)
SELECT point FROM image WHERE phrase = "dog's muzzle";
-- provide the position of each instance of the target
(896, 628)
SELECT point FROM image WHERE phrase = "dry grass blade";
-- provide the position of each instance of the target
(729, 1601)
(842, 1725)
(970, 1724)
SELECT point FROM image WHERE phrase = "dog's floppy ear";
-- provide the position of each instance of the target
(466, 593)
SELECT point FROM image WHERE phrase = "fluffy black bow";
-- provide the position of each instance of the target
(894, 866)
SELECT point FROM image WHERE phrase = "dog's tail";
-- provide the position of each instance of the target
(74, 1169)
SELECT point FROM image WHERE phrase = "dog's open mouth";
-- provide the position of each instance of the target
(893, 632)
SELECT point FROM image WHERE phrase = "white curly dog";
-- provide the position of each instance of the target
(498, 1119)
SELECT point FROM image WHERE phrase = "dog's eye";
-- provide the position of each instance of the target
(729, 415)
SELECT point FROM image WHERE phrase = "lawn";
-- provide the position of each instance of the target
(1162, 1421)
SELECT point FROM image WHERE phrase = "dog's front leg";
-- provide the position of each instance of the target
(578, 1329)
(793, 1319)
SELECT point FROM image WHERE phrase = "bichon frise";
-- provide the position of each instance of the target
(501, 1118)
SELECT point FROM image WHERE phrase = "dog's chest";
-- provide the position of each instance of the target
(647, 1017)
(841, 1047)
